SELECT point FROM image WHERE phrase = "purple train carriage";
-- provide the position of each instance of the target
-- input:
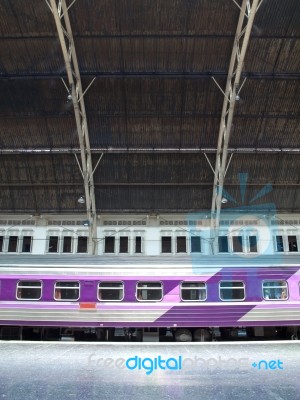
(149, 298)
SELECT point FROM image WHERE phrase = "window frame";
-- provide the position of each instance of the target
(275, 287)
(142, 300)
(29, 287)
(123, 290)
(193, 288)
(232, 288)
(68, 287)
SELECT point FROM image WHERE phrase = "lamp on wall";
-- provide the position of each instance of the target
(224, 200)
(81, 200)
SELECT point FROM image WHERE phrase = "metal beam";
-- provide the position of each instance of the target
(151, 74)
(247, 13)
(60, 13)
(158, 150)
(104, 184)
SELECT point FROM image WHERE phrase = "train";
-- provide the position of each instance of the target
(143, 298)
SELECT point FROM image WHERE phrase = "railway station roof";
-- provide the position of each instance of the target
(150, 79)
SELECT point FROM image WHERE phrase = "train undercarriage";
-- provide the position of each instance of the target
(182, 335)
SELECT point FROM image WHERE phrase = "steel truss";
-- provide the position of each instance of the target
(61, 16)
(248, 10)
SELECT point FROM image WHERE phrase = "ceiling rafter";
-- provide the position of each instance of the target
(247, 13)
(65, 34)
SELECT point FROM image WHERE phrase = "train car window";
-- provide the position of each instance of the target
(223, 244)
(237, 244)
(110, 291)
(232, 290)
(123, 244)
(53, 244)
(82, 244)
(67, 244)
(26, 245)
(193, 291)
(66, 290)
(149, 291)
(138, 244)
(166, 244)
(1, 243)
(279, 243)
(13, 244)
(275, 290)
(292, 241)
(253, 244)
(109, 245)
(181, 244)
(195, 244)
(29, 290)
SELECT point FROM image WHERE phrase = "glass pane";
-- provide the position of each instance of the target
(124, 244)
(166, 244)
(111, 291)
(195, 244)
(26, 246)
(109, 244)
(66, 290)
(111, 285)
(279, 243)
(82, 244)
(230, 290)
(53, 244)
(138, 244)
(149, 291)
(12, 244)
(275, 290)
(231, 284)
(1, 243)
(29, 290)
(237, 242)
(67, 244)
(253, 244)
(223, 244)
(181, 244)
(292, 243)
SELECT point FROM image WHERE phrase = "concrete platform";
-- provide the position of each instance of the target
(217, 371)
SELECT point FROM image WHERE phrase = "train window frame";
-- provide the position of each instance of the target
(146, 300)
(275, 287)
(55, 288)
(123, 290)
(193, 288)
(227, 281)
(18, 287)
